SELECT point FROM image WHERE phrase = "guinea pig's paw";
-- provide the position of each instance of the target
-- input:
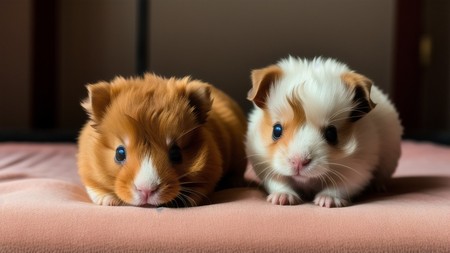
(109, 200)
(325, 200)
(284, 198)
(106, 200)
(103, 199)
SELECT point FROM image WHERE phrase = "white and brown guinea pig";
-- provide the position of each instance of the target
(318, 129)
(153, 141)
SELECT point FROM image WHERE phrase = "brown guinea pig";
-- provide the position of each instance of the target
(153, 141)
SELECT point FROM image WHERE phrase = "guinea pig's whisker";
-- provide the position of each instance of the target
(263, 171)
(176, 202)
(329, 178)
(170, 203)
(345, 166)
(267, 173)
(187, 190)
(338, 119)
(194, 182)
(341, 111)
(183, 201)
(197, 193)
(190, 200)
(271, 175)
(193, 172)
(339, 176)
(360, 111)
(185, 174)
(349, 109)
(180, 197)
(343, 180)
(325, 180)
(261, 163)
(254, 155)
(264, 174)
(332, 181)
(187, 132)
(322, 181)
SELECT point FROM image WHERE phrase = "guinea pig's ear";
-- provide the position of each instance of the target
(361, 86)
(98, 100)
(199, 95)
(262, 79)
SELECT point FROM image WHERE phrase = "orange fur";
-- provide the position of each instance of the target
(290, 126)
(262, 79)
(143, 114)
(294, 116)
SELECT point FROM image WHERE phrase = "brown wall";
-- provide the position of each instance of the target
(97, 42)
(221, 41)
(435, 92)
(215, 41)
(15, 63)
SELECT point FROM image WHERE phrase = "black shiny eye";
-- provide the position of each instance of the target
(330, 134)
(277, 131)
(121, 155)
(175, 155)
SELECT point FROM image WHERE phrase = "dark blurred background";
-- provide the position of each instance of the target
(50, 49)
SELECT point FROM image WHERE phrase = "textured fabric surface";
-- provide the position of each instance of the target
(43, 208)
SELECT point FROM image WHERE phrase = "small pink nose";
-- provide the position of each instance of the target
(306, 161)
(298, 164)
(147, 191)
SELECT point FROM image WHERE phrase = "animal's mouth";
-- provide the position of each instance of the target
(309, 172)
(148, 195)
(149, 205)
(301, 178)
(150, 201)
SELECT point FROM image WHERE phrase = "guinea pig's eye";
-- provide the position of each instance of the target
(330, 135)
(277, 131)
(121, 155)
(175, 154)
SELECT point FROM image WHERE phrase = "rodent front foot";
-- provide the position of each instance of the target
(107, 200)
(325, 200)
(284, 198)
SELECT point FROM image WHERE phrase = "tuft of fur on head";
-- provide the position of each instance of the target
(310, 100)
(151, 117)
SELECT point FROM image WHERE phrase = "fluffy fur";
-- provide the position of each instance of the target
(180, 138)
(308, 98)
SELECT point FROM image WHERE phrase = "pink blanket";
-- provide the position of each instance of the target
(43, 208)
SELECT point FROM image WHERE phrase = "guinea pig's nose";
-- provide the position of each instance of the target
(299, 163)
(147, 191)
(306, 161)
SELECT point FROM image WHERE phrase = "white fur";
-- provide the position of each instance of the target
(147, 178)
(373, 147)
(101, 199)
